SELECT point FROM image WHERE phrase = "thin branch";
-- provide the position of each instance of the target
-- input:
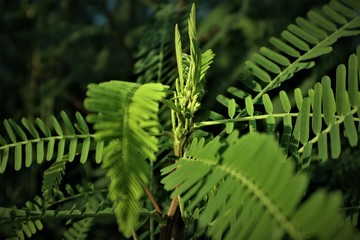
(153, 201)
(263, 117)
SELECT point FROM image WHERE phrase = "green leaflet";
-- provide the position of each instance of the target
(329, 104)
(18, 130)
(322, 21)
(231, 108)
(340, 90)
(41, 124)
(316, 105)
(238, 92)
(274, 56)
(264, 62)
(56, 125)
(351, 131)
(258, 72)
(294, 40)
(302, 33)
(353, 80)
(335, 141)
(286, 136)
(243, 188)
(50, 149)
(72, 149)
(343, 9)
(9, 131)
(284, 47)
(249, 105)
(334, 15)
(285, 101)
(267, 103)
(304, 115)
(125, 116)
(40, 151)
(311, 28)
(323, 146)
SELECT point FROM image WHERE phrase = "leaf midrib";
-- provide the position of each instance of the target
(263, 198)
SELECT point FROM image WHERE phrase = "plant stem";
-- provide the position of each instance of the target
(153, 201)
(174, 223)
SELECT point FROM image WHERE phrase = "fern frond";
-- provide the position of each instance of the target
(244, 204)
(31, 142)
(27, 229)
(302, 42)
(52, 178)
(319, 115)
(76, 202)
(154, 60)
(126, 116)
(321, 106)
(79, 229)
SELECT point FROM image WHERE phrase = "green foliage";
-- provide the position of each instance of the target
(319, 115)
(126, 117)
(244, 196)
(79, 229)
(80, 203)
(167, 172)
(190, 83)
(301, 43)
(29, 138)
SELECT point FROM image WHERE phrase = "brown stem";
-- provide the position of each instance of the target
(153, 201)
(173, 206)
(174, 223)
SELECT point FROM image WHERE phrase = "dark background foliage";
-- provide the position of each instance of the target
(51, 49)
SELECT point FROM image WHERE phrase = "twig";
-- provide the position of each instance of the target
(153, 201)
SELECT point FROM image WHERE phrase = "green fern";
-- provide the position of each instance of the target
(126, 117)
(52, 179)
(307, 39)
(302, 42)
(154, 60)
(79, 229)
(39, 143)
(79, 203)
(234, 188)
(27, 229)
(320, 106)
(245, 205)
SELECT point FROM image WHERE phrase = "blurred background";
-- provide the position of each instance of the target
(51, 49)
